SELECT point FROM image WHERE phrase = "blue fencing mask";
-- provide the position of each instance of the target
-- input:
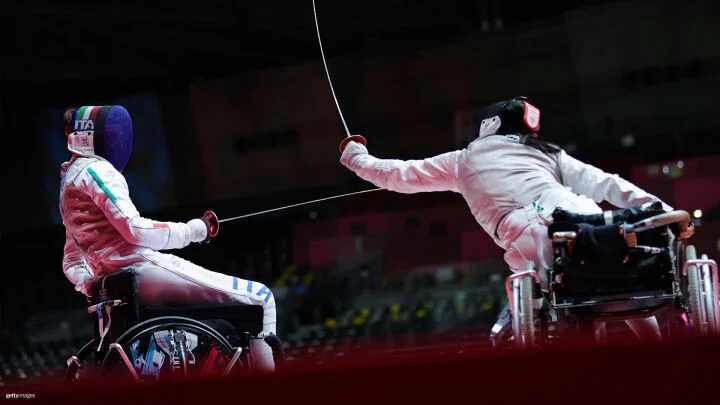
(104, 131)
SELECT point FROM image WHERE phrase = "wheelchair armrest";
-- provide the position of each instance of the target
(564, 236)
(680, 217)
(110, 303)
(631, 214)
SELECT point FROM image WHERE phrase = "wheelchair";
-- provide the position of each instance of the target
(609, 267)
(147, 344)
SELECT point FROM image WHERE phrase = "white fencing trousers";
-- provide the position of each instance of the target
(525, 234)
(165, 279)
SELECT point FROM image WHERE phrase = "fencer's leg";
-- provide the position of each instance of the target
(168, 279)
(531, 245)
(502, 327)
(262, 352)
(646, 329)
(262, 355)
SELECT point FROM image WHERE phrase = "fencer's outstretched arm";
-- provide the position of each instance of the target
(74, 265)
(438, 173)
(109, 190)
(592, 182)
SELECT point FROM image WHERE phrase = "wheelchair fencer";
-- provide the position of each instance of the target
(616, 266)
(151, 344)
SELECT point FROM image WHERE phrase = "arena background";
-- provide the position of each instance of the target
(232, 112)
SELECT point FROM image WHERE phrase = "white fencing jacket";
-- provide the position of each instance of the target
(496, 175)
(101, 221)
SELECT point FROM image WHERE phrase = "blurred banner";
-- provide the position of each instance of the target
(148, 172)
(279, 130)
(603, 76)
(266, 132)
(635, 62)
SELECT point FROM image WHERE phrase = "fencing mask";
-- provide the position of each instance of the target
(104, 131)
(513, 116)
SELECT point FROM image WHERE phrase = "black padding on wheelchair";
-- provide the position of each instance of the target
(598, 248)
(565, 221)
(601, 262)
(630, 215)
(122, 285)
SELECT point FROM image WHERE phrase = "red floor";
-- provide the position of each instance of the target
(678, 371)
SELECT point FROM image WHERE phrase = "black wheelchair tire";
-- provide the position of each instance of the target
(74, 372)
(112, 358)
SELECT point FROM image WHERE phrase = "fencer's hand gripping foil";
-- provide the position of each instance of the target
(327, 72)
(213, 225)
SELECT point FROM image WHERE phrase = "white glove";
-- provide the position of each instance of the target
(198, 230)
(350, 147)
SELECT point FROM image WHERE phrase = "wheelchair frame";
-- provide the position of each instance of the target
(701, 291)
(102, 350)
(240, 353)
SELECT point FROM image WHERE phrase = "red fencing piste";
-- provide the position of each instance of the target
(678, 372)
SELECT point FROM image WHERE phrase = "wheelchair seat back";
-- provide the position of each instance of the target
(122, 286)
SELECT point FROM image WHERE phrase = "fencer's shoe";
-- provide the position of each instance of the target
(501, 332)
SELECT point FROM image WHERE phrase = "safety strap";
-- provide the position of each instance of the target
(608, 216)
(102, 331)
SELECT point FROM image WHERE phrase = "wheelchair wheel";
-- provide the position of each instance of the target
(711, 299)
(167, 348)
(82, 364)
(702, 300)
(524, 312)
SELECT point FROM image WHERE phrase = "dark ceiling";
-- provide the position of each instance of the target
(148, 43)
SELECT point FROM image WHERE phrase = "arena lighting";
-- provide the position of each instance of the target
(673, 170)
(628, 140)
(697, 214)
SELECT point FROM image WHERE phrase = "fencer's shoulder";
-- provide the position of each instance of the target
(102, 170)
(568, 159)
(496, 142)
(76, 167)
